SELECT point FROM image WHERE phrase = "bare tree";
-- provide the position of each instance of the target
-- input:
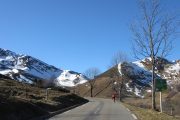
(91, 73)
(153, 35)
(116, 76)
(118, 58)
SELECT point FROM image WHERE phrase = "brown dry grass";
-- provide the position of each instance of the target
(147, 114)
(24, 101)
(103, 88)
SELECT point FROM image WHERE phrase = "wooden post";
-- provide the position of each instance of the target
(160, 94)
(171, 110)
(47, 92)
(26, 91)
(119, 94)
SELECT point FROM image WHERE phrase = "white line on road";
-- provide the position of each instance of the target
(97, 110)
(67, 111)
(84, 105)
(134, 116)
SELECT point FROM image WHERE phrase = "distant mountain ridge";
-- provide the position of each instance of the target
(169, 70)
(139, 73)
(29, 69)
(137, 78)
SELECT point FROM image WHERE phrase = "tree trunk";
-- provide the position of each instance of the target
(119, 94)
(153, 85)
(121, 87)
(120, 91)
(91, 91)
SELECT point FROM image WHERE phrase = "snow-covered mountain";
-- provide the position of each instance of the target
(172, 73)
(169, 70)
(139, 78)
(29, 69)
(139, 74)
(70, 78)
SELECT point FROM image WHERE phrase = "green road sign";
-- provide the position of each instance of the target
(161, 84)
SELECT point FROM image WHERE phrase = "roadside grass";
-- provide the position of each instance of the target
(147, 114)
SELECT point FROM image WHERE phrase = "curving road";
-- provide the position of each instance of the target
(97, 109)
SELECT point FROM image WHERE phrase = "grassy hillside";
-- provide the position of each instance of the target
(20, 101)
(103, 89)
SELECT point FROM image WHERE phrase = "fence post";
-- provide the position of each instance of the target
(172, 111)
(47, 93)
(160, 94)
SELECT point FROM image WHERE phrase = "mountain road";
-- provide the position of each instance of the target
(97, 109)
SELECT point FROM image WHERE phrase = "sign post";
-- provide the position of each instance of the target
(161, 85)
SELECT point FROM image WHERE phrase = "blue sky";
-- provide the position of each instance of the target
(72, 34)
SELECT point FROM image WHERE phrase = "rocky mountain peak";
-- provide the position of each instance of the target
(29, 69)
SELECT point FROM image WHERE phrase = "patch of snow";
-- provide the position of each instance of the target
(4, 72)
(138, 92)
(70, 80)
(22, 79)
(149, 91)
(138, 63)
(119, 68)
(15, 71)
(175, 67)
(129, 89)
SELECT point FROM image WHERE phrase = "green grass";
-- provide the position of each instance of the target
(147, 114)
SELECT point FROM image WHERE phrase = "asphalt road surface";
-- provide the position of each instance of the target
(97, 109)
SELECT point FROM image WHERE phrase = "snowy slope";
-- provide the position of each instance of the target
(140, 74)
(165, 69)
(70, 78)
(172, 73)
(29, 69)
